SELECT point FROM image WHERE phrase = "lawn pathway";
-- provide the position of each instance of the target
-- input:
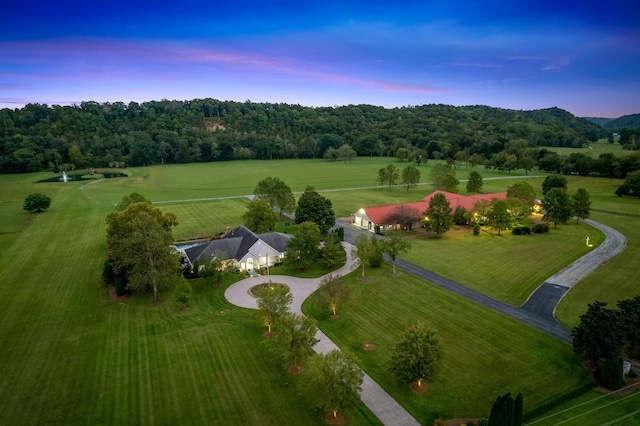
(387, 409)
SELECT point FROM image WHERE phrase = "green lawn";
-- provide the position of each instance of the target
(594, 409)
(593, 150)
(506, 267)
(485, 353)
(72, 356)
(69, 355)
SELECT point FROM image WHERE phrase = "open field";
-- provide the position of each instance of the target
(594, 150)
(485, 353)
(75, 357)
(72, 356)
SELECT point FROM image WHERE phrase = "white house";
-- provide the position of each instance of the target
(243, 248)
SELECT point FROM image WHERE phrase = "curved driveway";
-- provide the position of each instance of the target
(387, 409)
(537, 311)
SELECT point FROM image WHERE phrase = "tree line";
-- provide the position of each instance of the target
(40, 137)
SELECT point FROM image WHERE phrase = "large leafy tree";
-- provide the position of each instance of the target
(499, 216)
(273, 302)
(346, 153)
(313, 207)
(557, 206)
(388, 175)
(139, 244)
(303, 249)
(132, 198)
(474, 183)
(439, 217)
(36, 202)
(259, 217)
(443, 177)
(294, 340)
(333, 381)
(276, 193)
(553, 181)
(410, 177)
(599, 334)
(417, 356)
(631, 185)
(395, 245)
(521, 198)
(581, 204)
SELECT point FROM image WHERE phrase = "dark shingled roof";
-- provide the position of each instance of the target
(236, 244)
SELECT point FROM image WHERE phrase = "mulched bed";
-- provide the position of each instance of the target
(256, 288)
(337, 420)
(114, 296)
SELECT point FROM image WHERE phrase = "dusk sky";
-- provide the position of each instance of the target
(580, 56)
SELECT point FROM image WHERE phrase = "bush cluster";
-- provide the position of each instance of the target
(540, 228)
(521, 230)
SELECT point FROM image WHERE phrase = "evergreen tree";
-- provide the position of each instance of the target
(474, 183)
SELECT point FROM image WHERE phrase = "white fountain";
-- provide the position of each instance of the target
(64, 175)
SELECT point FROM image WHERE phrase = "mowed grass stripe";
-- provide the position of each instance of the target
(506, 267)
(204, 219)
(494, 352)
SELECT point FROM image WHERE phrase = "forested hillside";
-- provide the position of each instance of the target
(625, 122)
(40, 137)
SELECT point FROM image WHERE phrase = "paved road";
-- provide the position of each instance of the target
(538, 311)
(377, 399)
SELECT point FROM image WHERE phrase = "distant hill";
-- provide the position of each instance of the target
(600, 121)
(631, 121)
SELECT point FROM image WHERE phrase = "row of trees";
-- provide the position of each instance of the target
(332, 380)
(557, 205)
(273, 194)
(38, 137)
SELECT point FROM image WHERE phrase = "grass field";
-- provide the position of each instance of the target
(594, 150)
(69, 355)
(485, 353)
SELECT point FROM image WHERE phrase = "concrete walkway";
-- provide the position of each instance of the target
(387, 409)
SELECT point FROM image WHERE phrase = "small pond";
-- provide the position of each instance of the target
(77, 175)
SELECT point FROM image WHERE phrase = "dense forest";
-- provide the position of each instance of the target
(41, 137)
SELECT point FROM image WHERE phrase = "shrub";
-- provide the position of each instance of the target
(610, 374)
(376, 229)
(460, 216)
(521, 230)
(476, 230)
(36, 202)
(182, 293)
(540, 228)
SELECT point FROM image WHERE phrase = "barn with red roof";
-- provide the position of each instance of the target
(407, 215)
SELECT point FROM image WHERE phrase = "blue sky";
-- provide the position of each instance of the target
(580, 56)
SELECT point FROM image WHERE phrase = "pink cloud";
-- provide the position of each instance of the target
(120, 61)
